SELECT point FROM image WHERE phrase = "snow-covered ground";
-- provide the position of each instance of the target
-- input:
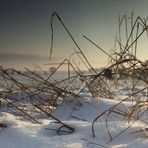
(21, 133)
(110, 129)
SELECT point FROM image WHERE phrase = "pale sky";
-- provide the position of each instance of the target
(25, 29)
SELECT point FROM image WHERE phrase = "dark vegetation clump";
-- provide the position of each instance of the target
(108, 74)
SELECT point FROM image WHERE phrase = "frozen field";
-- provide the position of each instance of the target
(111, 131)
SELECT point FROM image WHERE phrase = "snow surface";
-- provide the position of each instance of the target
(21, 133)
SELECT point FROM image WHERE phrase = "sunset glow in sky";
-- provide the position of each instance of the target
(25, 29)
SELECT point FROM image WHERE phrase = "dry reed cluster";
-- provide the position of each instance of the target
(39, 93)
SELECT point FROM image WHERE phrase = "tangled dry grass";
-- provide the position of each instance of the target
(25, 93)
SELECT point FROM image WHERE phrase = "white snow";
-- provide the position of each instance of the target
(21, 133)
(24, 134)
